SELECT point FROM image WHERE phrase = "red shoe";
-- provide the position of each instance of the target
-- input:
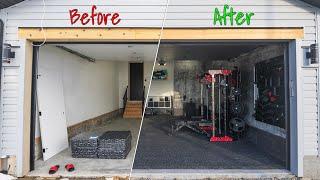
(69, 167)
(54, 169)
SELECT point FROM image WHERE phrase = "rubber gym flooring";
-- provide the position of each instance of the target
(188, 150)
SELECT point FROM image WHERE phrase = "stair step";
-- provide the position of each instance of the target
(133, 110)
(128, 106)
(134, 105)
(132, 117)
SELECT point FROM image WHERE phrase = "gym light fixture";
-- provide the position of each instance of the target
(162, 62)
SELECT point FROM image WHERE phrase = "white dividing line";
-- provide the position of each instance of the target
(41, 24)
(146, 101)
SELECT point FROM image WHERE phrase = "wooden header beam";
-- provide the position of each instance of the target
(152, 34)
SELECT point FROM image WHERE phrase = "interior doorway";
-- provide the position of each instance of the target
(136, 81)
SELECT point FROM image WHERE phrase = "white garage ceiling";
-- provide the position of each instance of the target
(147, 52)
(115, 52)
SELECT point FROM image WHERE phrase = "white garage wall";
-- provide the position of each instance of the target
(148, 66)
(85, 98)
(90, 89)
(123, 78)
(163, 87)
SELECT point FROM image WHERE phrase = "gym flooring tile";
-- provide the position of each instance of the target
(189, 150)
(87, 168)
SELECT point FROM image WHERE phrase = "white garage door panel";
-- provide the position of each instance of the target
(53, 124)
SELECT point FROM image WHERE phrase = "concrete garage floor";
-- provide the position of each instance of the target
(188, 150)
(91, 168)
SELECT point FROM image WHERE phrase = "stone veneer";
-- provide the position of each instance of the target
(90, 124)
(76, 129)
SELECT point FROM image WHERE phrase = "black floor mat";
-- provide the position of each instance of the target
(188, 150)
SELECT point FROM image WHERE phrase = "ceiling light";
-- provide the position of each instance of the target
(162, 62)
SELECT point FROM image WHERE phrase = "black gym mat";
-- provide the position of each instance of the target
(188, 150)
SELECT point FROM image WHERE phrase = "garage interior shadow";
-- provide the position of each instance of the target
(177, 125)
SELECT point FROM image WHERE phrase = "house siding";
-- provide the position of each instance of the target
(9, 110)
(181, 13)
(149, 13)
(310, 110)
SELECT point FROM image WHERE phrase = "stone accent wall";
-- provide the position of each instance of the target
(90, 124)
(76, 129)
(186, 87)
(246, 64)
(270, 139)
(186, 84)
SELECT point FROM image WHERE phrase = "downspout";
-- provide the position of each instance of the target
(1, 50)
(318, 86)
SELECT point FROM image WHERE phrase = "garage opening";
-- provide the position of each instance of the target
(217, 106)
(88, 106)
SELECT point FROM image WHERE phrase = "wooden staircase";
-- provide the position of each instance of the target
(133, 110)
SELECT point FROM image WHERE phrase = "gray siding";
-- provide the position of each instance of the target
(9, 110)
(181, 13)
(149, 13)
(310, 110)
